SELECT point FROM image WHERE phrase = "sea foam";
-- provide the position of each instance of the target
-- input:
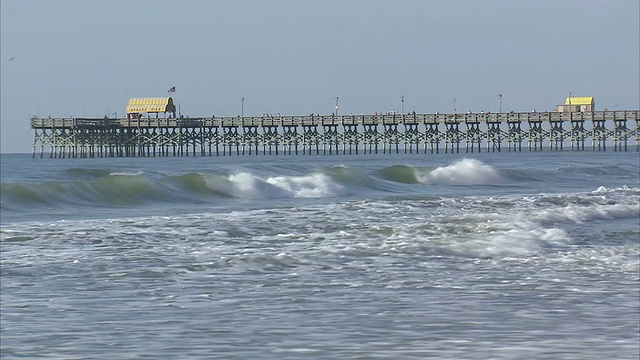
(249, 186)
(463, 172)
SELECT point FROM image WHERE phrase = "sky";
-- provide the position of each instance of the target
(81, 58)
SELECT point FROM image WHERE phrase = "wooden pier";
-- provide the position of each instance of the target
(344, 134)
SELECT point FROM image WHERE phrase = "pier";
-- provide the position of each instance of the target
(336, 134)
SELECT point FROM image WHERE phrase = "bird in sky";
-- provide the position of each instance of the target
(12, 58)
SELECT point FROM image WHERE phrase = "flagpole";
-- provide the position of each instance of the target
(172, 90)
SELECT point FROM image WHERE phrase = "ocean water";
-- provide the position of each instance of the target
(531, 255)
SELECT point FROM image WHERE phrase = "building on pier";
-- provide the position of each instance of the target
(577, 104)
(138, 107)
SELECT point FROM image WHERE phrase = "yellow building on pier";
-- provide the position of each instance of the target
(577, 104)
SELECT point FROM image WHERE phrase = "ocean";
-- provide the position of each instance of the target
(511, 255)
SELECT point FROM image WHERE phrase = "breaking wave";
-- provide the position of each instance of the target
(463, 172)
(116, 188)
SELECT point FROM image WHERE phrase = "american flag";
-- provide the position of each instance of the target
(172, 89)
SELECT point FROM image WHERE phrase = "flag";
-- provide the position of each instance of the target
(172, 89)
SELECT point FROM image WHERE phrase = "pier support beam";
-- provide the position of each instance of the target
(515, 135)
(390, 138)
(473, 135)
(536, 135)
(620, 135)
(289, 139)
(556, 135)
(599, 135)
(271, 139)
(494, 136)
(351, 139)
(578, 134)
(231, 139)
(412, 138)
(331, 139)
(371, 138)
(452, 137)
(432, 137)
(310, 139)
(250, 139)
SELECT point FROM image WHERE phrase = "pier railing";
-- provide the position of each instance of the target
(316, 120)
(150, 136)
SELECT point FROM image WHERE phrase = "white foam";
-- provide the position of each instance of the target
(308, 186)
(514, 242)
(625, 258)
(463, 172)
(581, 214)
(249, 186)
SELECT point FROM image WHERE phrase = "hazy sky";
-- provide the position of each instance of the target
(86, 58)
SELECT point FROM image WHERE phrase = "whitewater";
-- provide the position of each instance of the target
(530, 255)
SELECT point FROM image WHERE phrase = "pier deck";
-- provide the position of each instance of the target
(334, 134)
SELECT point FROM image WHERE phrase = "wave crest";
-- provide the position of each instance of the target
(463, 172)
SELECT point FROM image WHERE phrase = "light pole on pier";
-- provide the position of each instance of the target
(337, 106)
(242, 108)
(454, 105)
(179, 113)
(401, 104)
(570, 109)
(500, 102)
